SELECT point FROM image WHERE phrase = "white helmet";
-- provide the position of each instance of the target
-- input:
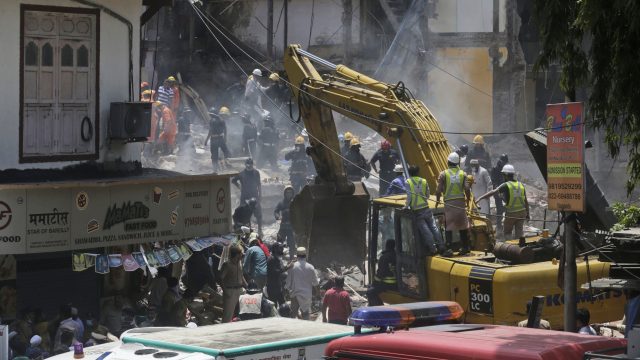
(508, 169)
(454, 158)
(257, 72)
(398, 168)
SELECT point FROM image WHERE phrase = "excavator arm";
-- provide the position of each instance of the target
(390, 110)
(330, 216)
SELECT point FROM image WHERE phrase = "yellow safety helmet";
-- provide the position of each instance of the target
(348, 136)
(274, 77)
(224, 111)
(171, 78)
(299, 140)
(354, 141)
(478, 139)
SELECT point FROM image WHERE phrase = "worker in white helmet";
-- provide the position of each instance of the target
(516, 205)
(454, 186)
(253, 92)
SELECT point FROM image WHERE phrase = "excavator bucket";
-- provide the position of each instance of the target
(332, 227)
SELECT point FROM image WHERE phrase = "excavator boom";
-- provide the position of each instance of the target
(330, 216)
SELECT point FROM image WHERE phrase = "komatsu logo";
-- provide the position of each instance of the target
(582, 297)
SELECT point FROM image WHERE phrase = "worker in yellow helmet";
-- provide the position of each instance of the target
(479, 152)
(456, 188)
(356, 166)
(346, 143)
(299, 169)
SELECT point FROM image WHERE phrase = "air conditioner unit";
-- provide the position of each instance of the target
(130, 121)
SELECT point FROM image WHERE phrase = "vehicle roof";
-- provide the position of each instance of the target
(490, 342)
(242, 337)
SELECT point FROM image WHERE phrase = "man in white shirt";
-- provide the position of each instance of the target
(481, 185)
(301, 281)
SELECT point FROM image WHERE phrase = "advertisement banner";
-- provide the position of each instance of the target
(88, 215)
(565, 157)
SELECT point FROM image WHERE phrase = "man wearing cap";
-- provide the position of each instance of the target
(34, 351)
(166, 92)
(481, 185)
(388, 158)
(298, 170)
(255, 263)
(218, 135)
(346, 143)
(254, 305)
(398, 183)
(514, 195)
(248, 181)
(301, 282)
(454, 185)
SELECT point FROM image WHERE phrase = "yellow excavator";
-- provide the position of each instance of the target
(334, 216)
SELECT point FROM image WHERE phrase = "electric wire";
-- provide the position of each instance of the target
(300, 128)
(324, 102)
(599, 251)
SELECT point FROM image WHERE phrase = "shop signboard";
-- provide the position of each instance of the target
(565, 157)
(88, 215)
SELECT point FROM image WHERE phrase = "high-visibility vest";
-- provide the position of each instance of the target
(454, 184)
(419, 193)
(516, 196)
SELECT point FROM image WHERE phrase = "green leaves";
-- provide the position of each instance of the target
(628, 216)
(597, 45)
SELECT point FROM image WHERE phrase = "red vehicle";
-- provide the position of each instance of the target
(471, 341)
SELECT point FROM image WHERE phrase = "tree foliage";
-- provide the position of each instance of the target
(597, 44)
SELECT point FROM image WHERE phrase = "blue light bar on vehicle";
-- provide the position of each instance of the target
(408, 315)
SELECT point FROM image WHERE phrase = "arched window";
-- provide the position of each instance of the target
(47, 55)
(31, 54)
(66, 56)
(83, 57)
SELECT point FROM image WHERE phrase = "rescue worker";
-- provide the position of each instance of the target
(269, 139)
(515, 197)
(462, 151)
(498, 179)
(388, 158)
(356, 165)
(397, 186)
(158, 112)
(243, 213)
(168, 128)
(298, 170)
(282, 213)
(249, 136)
(218, 135)
(417, 201)
(145, 96)
(481, 185)
(253, 94)
(346, 142)
(456, 188)
(166, 92)
(175, 100)
(248, 181)
(478, 152)
(385, 277)
(254, 305)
